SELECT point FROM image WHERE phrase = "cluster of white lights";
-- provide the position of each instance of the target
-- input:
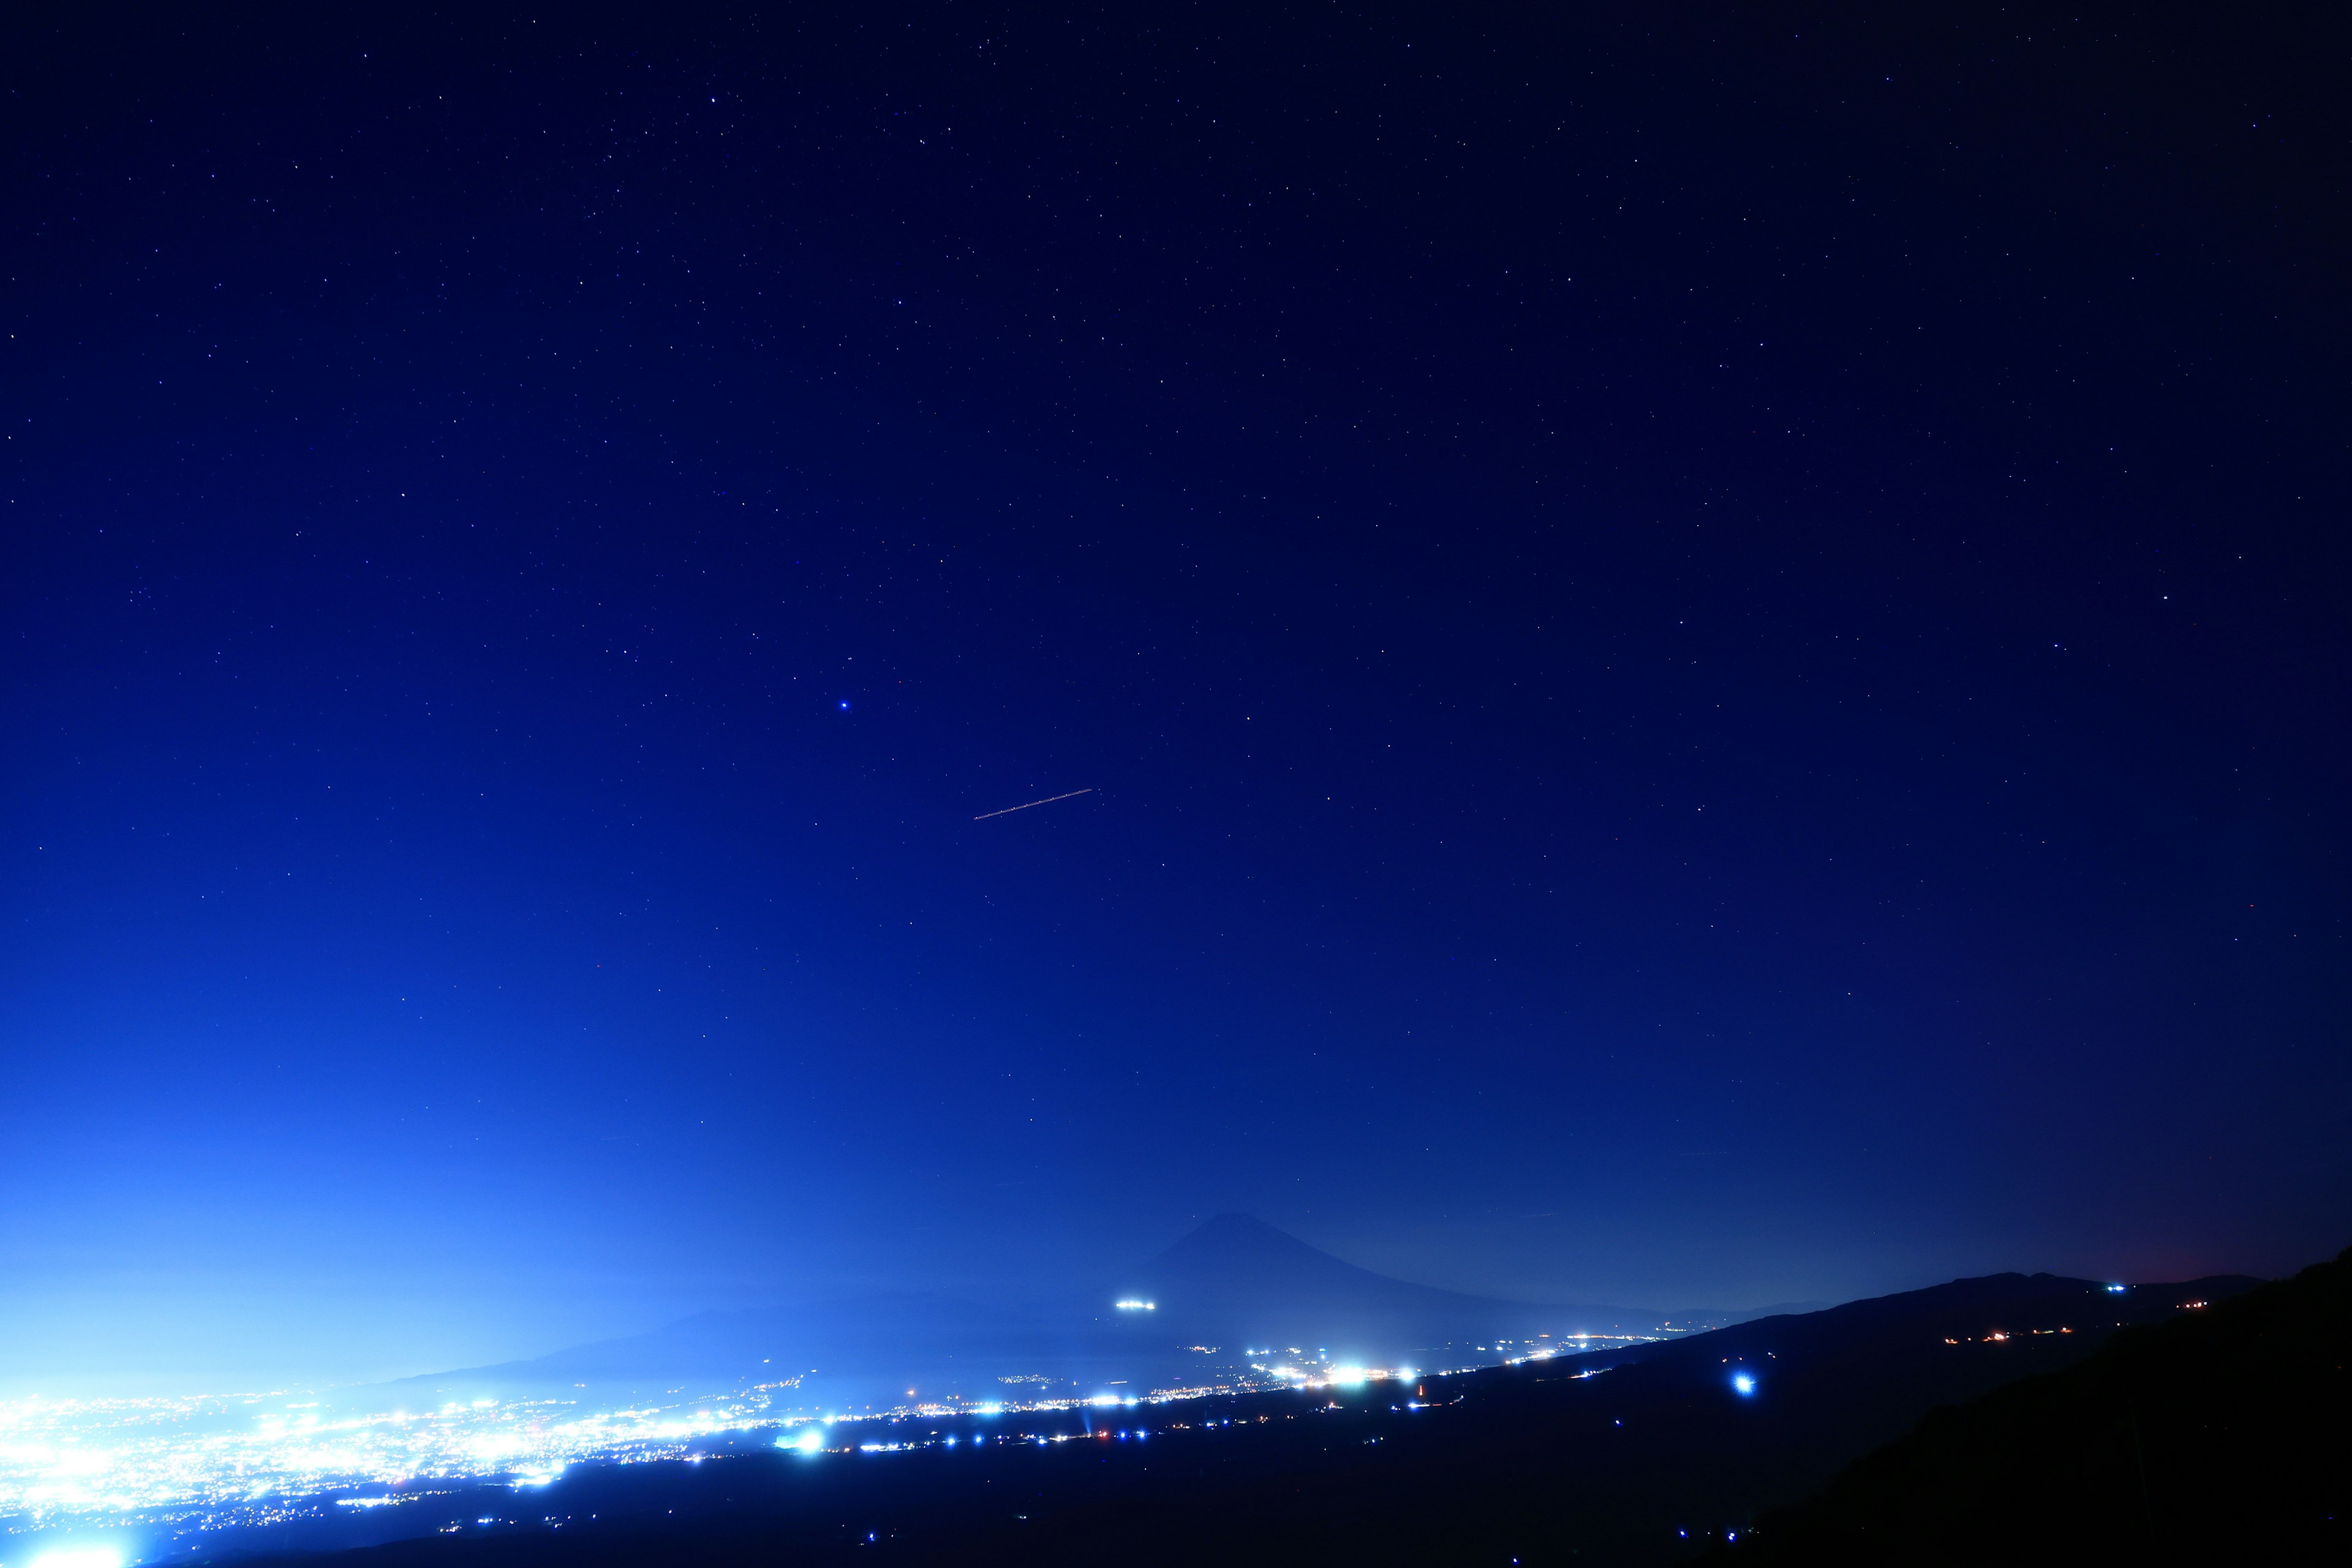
(1135, 1306)
(251, 1459)
(1339, 1376)
(79, 1557)
(212, 1463)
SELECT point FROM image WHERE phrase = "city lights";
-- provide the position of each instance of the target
(250, 1459)
(79, 1557)
(170, 1467)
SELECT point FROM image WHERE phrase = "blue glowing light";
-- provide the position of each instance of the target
(845, 705)
(79, 1557)
(1743, 1383)
(809, 1441)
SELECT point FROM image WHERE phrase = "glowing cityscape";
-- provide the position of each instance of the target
(210, 1463)
(138, 1480)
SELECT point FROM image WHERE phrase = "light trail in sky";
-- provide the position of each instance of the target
(1049, 800)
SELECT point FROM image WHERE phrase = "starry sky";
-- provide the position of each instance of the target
(1710, 654)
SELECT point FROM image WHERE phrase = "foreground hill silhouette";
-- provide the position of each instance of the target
(2225, 1436)
(1633, 1457)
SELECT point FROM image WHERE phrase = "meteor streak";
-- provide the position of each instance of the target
(1049, 800)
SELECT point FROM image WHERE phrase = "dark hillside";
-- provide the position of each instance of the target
(1627, 1456)
(2223, 1435)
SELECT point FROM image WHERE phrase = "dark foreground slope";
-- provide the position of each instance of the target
(2225, 1436)
(1630, 1457)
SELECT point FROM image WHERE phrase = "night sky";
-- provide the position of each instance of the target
(1711, 653)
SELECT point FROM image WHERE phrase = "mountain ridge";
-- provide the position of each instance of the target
(1232, 1279)
(1236, 1274)
(1638, 1455)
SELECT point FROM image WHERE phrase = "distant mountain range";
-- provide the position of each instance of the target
(1234, 1285)
(2212, 1415)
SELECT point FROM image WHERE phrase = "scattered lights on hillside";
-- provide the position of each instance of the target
(167, 1468)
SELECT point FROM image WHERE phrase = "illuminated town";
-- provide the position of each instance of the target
(145, 1479)
(178, 1465)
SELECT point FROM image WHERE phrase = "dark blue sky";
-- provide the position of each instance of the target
(1711, 656)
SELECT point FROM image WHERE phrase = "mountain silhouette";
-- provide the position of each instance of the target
(1238, 1277)
(1234, 1283)
(1637, 1454)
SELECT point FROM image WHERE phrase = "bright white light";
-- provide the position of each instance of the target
(1743, 1383)
(1405, 1374)
(2114, 1289)
(810, 1440)
(79, 1557)
(1138, 1306)
(62, 1461)
(1348, 1376)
